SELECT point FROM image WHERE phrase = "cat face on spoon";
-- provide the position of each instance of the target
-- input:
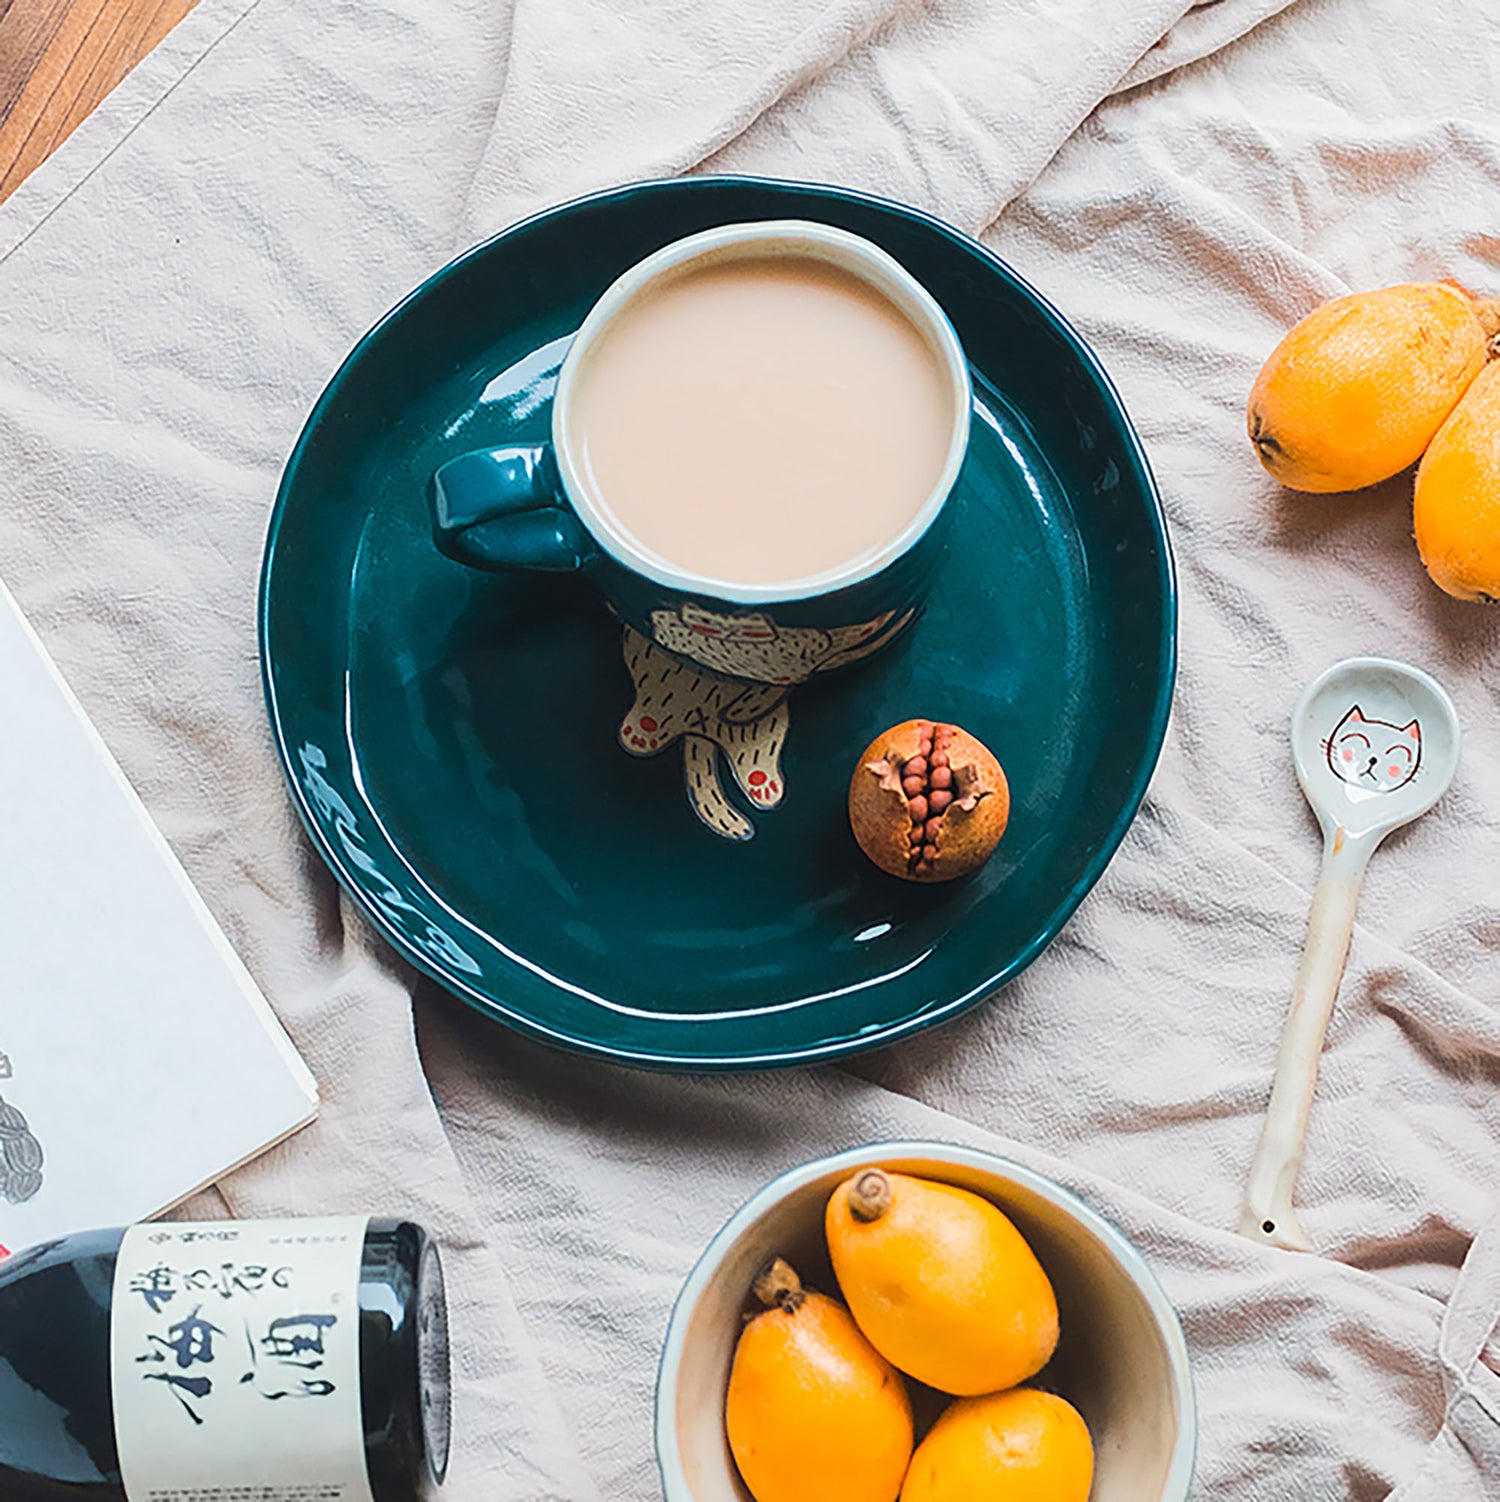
(1374, 755)
(1376, 745)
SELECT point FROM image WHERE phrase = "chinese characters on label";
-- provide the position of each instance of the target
(211, 1328)
(235, 1361)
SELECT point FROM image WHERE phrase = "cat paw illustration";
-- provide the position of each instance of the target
(654, 720)
(643, 735)
(753, 752)
(747, 723)
(706, 793)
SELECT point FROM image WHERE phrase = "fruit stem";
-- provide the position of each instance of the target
(870, 1196)
(777, 1286)
(1487, 311)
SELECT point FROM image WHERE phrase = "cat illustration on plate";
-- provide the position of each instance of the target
(754, 648)
(1374, 754)
(718, 684)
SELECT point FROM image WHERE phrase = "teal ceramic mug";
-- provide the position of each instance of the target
(535, 507)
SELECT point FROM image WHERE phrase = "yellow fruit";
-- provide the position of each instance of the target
(941, 1282)
(1017, 1446)
(814, 1412)
(1457, 509)
(1356, 390)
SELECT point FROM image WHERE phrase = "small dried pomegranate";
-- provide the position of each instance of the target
(928, 802)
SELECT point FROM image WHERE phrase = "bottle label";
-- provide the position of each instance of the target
(234, 1358)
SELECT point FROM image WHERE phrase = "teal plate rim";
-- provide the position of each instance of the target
(495, 1008)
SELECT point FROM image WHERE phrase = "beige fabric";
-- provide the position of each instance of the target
(174, 290)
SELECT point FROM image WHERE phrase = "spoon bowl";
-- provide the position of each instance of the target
(1376, 745)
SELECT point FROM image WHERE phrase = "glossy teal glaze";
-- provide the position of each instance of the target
(450, 736)
(504, 509)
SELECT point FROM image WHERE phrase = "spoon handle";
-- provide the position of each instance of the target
(1268, 1215)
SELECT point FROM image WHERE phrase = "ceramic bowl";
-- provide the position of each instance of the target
(1122, 1360)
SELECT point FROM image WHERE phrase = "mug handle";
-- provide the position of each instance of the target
(505, 509)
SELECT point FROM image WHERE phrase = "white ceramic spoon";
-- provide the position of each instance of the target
(1376, 745)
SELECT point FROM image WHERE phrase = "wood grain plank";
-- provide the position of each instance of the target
(27, 28)
(58, 59)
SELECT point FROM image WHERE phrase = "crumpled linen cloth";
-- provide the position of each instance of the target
(1183, 182)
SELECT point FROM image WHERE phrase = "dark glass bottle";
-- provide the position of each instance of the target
(57, 1432)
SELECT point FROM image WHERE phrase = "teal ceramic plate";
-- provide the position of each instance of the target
(450, 737)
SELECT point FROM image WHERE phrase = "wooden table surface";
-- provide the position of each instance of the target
(58, 59)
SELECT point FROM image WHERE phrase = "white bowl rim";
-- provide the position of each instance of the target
(1184, 1454)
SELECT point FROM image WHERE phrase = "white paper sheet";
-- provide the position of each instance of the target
(138, 1061)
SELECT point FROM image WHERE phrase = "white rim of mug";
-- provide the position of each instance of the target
(675, 1486)
(768, 237)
